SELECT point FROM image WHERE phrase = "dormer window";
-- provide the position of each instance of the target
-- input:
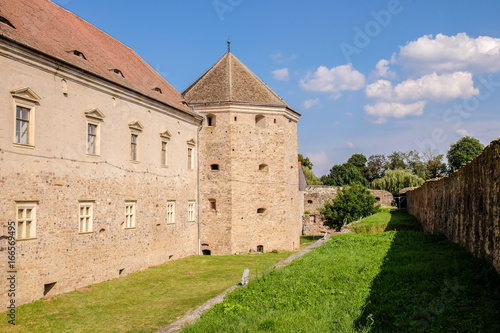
(7, 22)
(117, 71)
(78, 54)
(158, 90)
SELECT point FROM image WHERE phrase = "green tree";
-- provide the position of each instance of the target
(434, 163)
(305, 162)
(375, 167)
(344, 174)
(351, 204)
(397, 161)
(359, 161)
(395, 180)
(463, 151)
(311, 178)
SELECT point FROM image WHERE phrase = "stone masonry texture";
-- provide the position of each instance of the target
(465, 206)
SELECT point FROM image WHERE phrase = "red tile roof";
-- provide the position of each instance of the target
(50, 29)
(231, 81)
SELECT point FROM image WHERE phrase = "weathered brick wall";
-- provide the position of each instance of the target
(465, 206)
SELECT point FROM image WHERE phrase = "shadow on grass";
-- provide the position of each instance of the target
(429, 284)
(402, 221)
(311, 238)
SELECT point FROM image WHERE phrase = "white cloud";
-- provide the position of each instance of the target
(450, 53)
(333, 80)
(382, 70)
(280, 59)
(431, 87)
(319, 160)
(462, 132)
(350, 144)
(310, 103)
(383, 110)
(349, 114)
(281, 74)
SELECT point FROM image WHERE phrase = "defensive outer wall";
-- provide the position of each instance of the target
(465, 206)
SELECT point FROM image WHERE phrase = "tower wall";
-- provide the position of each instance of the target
(257, 183)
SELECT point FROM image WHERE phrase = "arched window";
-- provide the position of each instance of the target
(206, 252)
(210, 120)
(260, 121)
(260, 248)
(213, 204)
(309, 201)
(263, 167)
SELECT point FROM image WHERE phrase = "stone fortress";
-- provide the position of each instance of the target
(106, 169)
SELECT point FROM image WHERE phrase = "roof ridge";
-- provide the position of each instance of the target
(256, 77)
(65, 31)
(202, 76)
(229, 80)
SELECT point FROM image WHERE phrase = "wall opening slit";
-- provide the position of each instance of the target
(48, 287)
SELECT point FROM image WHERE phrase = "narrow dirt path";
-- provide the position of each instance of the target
(194, 315)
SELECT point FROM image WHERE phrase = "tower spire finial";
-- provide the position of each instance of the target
(228, 45)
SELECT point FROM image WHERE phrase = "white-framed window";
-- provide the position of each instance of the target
(171, 212)
(26, 220)
(191, 208)
(94, 119)
(164, 160)
(135, 128)
(133, 147)
(22, 125)
(91, 139)
(190, 154)
(25, 101)
(190, 158)
(86, 217)
(164, 139)
(129, 214)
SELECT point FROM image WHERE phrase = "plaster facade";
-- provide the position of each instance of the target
(55, 172)
(100, 160)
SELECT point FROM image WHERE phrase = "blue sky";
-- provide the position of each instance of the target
(368, 76)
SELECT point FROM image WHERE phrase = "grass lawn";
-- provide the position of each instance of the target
(305, 241)
(141, 302)
(386, 220)
(396, 281)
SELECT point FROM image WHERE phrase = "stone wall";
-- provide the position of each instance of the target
(465, 206)
(314, 199)
(55, 173)
(256, 187)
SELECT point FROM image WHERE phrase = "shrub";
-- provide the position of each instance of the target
(351, 204)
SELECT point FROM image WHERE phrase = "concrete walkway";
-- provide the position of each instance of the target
(194, 315)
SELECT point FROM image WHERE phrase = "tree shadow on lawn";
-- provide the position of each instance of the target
(402, 221)
(429, 284)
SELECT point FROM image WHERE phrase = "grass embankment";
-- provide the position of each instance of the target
(386, 220)
(396, 281)
(305, 241)
(141, 302)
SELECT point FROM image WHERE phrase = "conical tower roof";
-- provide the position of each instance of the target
(231, 81)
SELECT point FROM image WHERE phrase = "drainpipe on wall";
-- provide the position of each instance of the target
(198, 181)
